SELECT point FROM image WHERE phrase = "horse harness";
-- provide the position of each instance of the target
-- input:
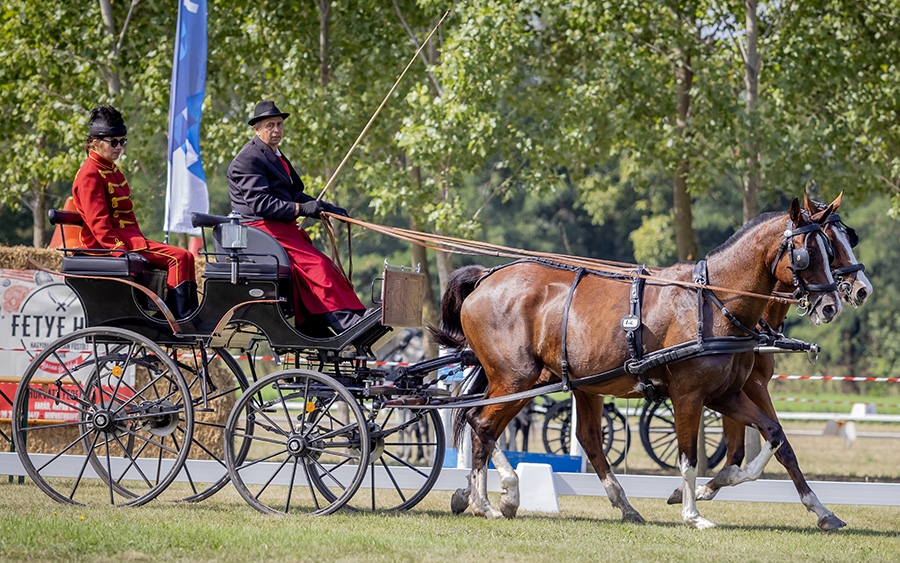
(639, 363)
(799, 259)
(841, 275)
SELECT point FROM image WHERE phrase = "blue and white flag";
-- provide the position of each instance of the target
(186, 187)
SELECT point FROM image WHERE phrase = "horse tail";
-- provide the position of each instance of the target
(475, 382)
(459, 286)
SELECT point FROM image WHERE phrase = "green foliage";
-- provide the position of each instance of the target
(543, 125)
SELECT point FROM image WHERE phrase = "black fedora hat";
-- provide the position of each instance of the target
(264, 109)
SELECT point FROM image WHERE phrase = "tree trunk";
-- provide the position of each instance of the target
(325, 69)
(39, 214)
(751, 83)
(324, 38)
(113, 84)
(685, 243)
(431, 312)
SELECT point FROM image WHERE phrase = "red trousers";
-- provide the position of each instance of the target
(318, 285)
(178, 261)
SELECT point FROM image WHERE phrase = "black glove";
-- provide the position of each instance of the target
(335, 210)
(312, 208)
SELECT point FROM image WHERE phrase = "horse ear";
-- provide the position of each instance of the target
(820, 217)
(837, 201)
(809, 204)
(795, 211)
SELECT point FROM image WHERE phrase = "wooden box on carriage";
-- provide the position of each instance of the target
(402, 296)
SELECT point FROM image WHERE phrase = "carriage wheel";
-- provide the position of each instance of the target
(104, 402)
(303, 434)
(407, 453)
(557, 431)
(205, 472)
(657, 429)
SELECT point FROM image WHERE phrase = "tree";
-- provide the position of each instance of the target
(59, 61)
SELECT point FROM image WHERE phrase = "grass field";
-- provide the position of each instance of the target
(34, 528)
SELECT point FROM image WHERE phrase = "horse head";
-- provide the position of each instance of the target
(849, 274)
(803, 262)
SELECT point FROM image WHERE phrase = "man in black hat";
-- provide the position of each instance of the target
(268, 193)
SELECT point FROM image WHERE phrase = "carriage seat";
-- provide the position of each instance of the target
(263, 259)
(131, 265)
(84, 264)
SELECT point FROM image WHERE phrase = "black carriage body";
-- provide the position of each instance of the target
(230, 314)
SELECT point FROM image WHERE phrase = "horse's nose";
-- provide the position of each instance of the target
(859, 297)
(829, 312)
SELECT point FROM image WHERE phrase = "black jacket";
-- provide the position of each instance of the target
(260, 187)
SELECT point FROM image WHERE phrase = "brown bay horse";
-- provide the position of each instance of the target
(854, 288)
(513, 317)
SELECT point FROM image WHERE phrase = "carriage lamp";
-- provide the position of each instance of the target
(234, 238)
(234, 233)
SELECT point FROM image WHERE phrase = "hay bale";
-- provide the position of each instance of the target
(209, 426)
(15, 257)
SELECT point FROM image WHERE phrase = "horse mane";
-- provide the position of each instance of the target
(748, 226)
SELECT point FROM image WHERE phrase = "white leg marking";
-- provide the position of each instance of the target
(616, 495)
(826, 519)
(734, 475)
(689, 512)
(478, 501)
(509, 482)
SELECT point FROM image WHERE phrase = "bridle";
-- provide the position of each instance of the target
(841, 277)
(800, 260)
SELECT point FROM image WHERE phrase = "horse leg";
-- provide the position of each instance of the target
(757, 390)
(743, 409)
(487, 423)
(733, 432)
(687, 429)
(590, 415)
(509, 483)
(826, 520)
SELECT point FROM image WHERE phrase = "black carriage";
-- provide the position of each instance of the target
(143, 396)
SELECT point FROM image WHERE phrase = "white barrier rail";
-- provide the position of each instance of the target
(587, 484)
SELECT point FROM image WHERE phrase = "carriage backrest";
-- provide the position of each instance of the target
(263, 256)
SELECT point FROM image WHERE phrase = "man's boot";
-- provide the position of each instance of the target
(315, 326)
(182, 300)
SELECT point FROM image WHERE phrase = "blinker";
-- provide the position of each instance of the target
(854, 238)
(800, 259)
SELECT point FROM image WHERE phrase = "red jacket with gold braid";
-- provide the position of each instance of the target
(103, 199)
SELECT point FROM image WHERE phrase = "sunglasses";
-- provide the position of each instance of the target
(115, 142)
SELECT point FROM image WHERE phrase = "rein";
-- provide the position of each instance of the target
(453, 245)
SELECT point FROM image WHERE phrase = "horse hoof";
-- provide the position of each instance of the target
(632, 518)
(459, 502)
(701, 523)
(706, 493)
(676, 496)
(493, 514)
(831, 522)
(508, 510)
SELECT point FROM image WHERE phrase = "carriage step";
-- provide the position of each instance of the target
(202, 409)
